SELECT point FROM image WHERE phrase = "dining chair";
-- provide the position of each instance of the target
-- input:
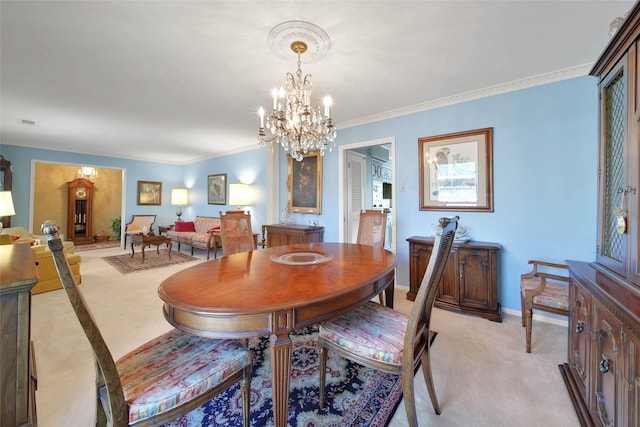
(162, 379)
(236, 233)
(381, 338)
(544, 288)
(372, 228)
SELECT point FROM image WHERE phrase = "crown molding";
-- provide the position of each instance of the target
(539, 80)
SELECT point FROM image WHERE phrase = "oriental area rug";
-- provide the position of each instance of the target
(356, 396)
(126, 264)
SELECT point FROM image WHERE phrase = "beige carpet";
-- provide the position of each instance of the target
(482, 374)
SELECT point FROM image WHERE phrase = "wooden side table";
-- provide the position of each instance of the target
(148, 240)
(164, 228)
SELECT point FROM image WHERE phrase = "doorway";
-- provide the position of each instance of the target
(49, 195)
(366, 181)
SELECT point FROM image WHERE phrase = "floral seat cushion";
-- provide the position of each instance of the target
(175, 367)
(371, 330)
(554, 295)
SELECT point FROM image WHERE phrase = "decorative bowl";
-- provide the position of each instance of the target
(461, 231)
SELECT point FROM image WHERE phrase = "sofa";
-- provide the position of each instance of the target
(68, 246)
(48, 279)
(200, 233)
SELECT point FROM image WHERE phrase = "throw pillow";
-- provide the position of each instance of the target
(185, 226)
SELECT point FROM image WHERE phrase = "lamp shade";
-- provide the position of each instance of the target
(6, 204)
(240, 194)
(179, 196)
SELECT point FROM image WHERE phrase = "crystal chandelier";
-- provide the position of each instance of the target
(293, 122)
(88, 172)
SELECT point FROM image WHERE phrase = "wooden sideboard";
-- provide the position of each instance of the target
(470, 281)
(282, 234)
(17, 376)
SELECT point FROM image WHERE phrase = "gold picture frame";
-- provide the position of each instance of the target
(304, 184)
(149, 193)
(456, 171)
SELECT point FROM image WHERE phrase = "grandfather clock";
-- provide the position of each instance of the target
(79, 220)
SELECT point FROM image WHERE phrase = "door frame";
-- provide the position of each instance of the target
(391, 141)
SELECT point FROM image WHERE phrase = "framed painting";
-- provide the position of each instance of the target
(217, 189)
(149, 193)
(304, 184)
(456, 171)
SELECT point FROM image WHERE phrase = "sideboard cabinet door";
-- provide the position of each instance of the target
(579, 337)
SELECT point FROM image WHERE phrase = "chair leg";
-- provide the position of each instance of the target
(322, 370)
(522, 304)
(529, 321)
(428, 378)
(245, 386)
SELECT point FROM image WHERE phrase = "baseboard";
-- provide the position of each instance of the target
(560, 321)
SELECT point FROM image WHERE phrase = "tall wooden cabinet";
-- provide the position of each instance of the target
(602, 373)
(470, 281)
(17, 374)
(80, 211)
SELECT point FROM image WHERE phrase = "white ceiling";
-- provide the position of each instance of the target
(178, 81)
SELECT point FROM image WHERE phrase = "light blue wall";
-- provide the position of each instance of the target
(544, 161)
(545, 171)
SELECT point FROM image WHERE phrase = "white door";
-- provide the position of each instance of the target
(356, 168)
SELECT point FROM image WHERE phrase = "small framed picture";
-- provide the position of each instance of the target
(217, 189)
(304, 184)
(149, 193)
(456, 172)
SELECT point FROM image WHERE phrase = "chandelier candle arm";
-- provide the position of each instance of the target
(293, 122)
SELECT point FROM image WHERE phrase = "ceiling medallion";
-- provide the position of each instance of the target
(293, 122)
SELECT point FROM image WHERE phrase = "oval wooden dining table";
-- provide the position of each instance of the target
(275, 291)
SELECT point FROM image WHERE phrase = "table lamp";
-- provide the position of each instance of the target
(6, 206)
(179, 198)
(240, 195)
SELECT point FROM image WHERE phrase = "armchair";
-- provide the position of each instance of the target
(543, 288)
(137, 224)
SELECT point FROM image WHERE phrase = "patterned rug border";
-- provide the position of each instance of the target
(125, 264)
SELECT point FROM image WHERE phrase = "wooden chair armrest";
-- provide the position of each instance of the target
(534, 272)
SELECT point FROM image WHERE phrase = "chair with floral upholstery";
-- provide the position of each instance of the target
(162, 379)
(544, 288)
(381, 338)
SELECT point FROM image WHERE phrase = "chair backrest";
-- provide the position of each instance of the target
(372, 228)
(235, 230)
(138, 222)
(107, 374)
(417, 335)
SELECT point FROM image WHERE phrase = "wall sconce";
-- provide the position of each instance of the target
(240, 195)
(6, 205)
(179, 198)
